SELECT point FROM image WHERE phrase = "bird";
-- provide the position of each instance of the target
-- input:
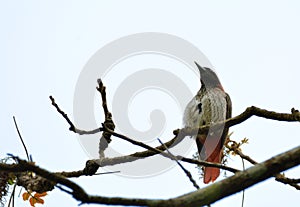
(211, 104)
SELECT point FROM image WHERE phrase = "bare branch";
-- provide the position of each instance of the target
(20, 136)
(208, 164)
(102, 90)
(72, 126)
(188, 174)
(205, 196)
(157, 150)
(255, 111)
(289, 181)
(241, 180)
(106, 137)
(278, 177)
(294, 116)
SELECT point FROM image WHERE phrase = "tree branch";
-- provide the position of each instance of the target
(157, 150)
(72, 126)
(294, 116)
(205, 196)
(108, 123)
(278, 177)
(240, 180)
(255, 111)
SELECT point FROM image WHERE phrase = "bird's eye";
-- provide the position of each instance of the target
(199, 106)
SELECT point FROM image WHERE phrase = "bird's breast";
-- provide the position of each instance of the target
(205, 108)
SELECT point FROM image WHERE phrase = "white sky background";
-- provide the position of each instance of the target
(44, 45)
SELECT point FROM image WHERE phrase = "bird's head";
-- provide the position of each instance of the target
(209, 78)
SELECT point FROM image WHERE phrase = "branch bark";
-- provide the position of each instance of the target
(278, 177)
(240, 180)
(205, 196)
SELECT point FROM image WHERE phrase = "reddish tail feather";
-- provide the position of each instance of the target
(214, 152)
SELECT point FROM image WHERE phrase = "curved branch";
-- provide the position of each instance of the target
(241, 180)
(278, 177)
(294, 116)
(157, 150)
(255, 111)
(205, 196)
(72, 126)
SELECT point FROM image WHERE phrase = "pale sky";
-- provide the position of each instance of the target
(45, 45)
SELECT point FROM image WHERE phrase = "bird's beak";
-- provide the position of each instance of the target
(201, 69)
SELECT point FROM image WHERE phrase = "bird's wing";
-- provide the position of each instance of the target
(228, 115)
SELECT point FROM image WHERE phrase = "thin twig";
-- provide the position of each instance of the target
(102, 90)
(243, 193)
(188, 174)
(207, 164)
(20, 136)
(106, 173)
(291, 180)
(72, 126)
(12, 196)
(132, 141)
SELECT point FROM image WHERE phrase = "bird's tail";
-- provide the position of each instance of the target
(214, 152)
